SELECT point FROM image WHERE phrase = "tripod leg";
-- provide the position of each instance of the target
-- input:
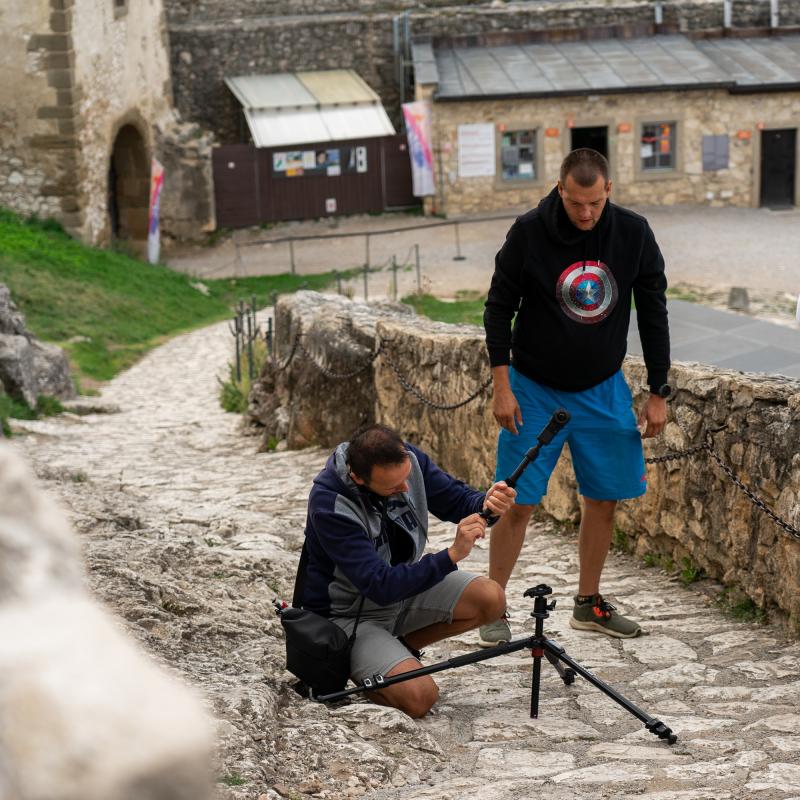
(536, 652)
(655, 726)
(567, 674)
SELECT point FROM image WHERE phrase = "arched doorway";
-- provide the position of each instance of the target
(129, 186)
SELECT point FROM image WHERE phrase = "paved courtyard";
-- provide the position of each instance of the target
(188, 534)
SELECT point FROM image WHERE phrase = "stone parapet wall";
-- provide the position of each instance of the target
(691, 510)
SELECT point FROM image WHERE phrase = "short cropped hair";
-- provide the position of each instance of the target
(585, 166)
(374, 446)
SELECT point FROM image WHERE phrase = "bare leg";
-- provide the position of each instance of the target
(597, 526)
(481, 601)
(506, 541)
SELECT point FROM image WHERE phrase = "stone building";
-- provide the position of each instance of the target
(85, 102)
(682, 119)
(211, 40)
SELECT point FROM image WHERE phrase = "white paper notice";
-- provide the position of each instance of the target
(476, 153)
(647, 151)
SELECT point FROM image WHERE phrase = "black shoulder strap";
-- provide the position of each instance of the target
(300, 578)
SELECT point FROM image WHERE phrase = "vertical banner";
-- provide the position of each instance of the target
(156, 185)
(418, 130)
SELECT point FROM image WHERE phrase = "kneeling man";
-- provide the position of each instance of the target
(366, 532)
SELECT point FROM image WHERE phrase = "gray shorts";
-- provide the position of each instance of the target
(376, 649)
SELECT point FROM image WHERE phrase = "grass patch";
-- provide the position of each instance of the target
(232, 779)
(740, 608)
(234, 392)
(107, 308)
(19, 409)
(621, 542)
(466, 308)
(690, 572)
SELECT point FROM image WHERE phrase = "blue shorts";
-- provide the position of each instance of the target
(603, 437)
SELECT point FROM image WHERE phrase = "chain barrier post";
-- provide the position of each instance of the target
(366, 282)
(291, 256)
(419, 276)
(338, 281)
(250, 334)
(366, 242)
(458, 256)
(394, 278)
(268, 337)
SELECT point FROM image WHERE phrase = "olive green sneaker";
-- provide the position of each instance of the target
(600, 615)
(497, 632)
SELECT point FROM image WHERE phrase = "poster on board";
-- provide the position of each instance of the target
(476, 151)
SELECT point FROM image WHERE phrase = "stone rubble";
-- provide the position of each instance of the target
(188, 534)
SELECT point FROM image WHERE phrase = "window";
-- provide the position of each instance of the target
(658, 146)
(715, 153)
(518, 155)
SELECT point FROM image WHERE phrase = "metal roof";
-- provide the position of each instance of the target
(607, 65)
(303, 107)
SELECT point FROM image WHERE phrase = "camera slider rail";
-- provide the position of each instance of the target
(539, 646)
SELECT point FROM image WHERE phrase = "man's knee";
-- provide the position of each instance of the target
(519, 513)
(600, 508)
(416, 697)
(482, 601)
(493, 601)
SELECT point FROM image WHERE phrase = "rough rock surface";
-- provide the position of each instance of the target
(692, 514)
(86, 716)
(188, 534)
(314, 341)
(29, 368)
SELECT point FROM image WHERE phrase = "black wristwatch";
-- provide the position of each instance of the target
(665, 390)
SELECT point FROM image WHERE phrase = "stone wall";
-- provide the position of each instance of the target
(691, 509)
(74, 74)
(215, 39)
(695, 115)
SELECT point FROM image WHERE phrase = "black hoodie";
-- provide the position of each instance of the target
(571, 291)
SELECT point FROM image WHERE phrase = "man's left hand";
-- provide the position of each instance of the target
(499, 498)
(653, 416)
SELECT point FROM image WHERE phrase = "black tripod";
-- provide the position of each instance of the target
(538, 644)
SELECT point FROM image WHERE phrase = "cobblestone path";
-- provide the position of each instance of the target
(189, 533)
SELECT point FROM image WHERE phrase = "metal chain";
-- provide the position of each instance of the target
(787, 528)
(340, 376)
(411, 389)
(295, 345)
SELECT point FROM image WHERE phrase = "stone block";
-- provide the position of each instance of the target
(89, 716)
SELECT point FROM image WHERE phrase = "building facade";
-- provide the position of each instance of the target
(85, 103)
(681, 121)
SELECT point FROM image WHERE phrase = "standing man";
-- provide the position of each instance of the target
(568, 270)
(366, 533)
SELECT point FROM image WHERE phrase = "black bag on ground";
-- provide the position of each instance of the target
(317, 650)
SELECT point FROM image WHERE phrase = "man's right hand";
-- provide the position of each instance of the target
(506, 409)
(469, 530)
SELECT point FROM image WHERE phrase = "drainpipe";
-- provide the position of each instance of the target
(774, 14)
(727, 14)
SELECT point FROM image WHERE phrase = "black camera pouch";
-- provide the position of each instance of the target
(317, 650)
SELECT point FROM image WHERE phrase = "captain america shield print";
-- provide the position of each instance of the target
(587, 291)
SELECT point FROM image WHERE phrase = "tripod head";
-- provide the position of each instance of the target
(540, 604)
